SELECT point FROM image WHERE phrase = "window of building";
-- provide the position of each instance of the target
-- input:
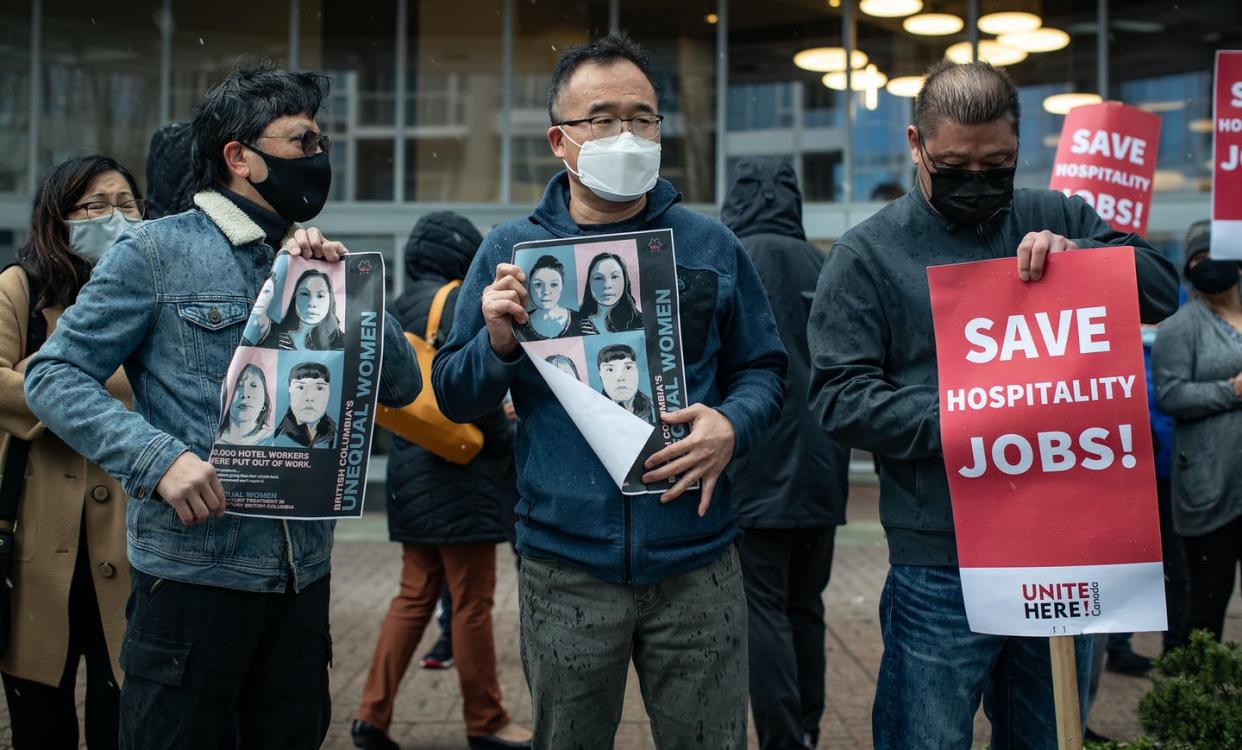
(101, 83)
(777, 109)
(14, 97)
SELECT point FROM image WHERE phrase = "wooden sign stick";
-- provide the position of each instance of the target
(1065, 692)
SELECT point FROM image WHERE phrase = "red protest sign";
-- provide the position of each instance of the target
(1107, 154)
(1227, 164)
(1047, 445)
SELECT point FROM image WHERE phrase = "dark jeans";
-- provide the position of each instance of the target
(935, 671)
(209, 668)
(44, 717)
(685, 635)
(1213, 560)
(785, 572)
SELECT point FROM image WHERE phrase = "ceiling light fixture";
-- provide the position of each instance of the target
(890, 8)
(1009, 23)
(1043, 39)
(828, 59)
(933, 24)
(907, 86)
(869, 77)
(1060, 104)
(989, 51)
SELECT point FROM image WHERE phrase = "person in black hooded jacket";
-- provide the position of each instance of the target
(791, 488)
(448, 519)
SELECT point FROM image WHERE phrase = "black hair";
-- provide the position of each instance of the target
(54, 269)
(624, 316)
(615, 352)
(546, 262)
(241, 106)
(972, 93)
(306, 370)
(320, 337)
(267, 400)
(603, 51)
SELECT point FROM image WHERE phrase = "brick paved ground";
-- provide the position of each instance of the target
(428, 711)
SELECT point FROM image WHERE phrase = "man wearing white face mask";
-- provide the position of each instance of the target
(608, 579)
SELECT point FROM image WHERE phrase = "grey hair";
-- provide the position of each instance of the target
(971, 93)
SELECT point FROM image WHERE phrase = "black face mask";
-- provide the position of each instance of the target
(1214, 276)
(966, 196)
(295, 188)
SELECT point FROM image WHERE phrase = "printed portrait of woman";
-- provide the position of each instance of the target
(619, 373)
(608, 303)
(310, 322)
(247, 420)
(549, 319)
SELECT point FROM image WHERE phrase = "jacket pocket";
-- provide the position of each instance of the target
(213, 331)
(156, 659)
(697, 306)
(1197, 478)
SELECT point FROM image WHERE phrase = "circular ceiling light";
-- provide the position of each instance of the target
(989, 51)
(907, 86)
(933, 24)
(1009, 23)
(862, 80)
(1040, 40)
(890, 8)
(829, 59)
(1060, 104)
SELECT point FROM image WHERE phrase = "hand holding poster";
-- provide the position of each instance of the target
(294, 437)
(1046, 441)
(605, 333)
(1227, 164)
(1107, 155)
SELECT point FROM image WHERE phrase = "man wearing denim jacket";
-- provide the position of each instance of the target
(227, 639)
(607, 578)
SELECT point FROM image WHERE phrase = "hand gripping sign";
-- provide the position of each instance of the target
(1227, 164)
(1047, 446)
(1107, 155)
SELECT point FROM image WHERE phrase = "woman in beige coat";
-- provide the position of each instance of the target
(70, 575)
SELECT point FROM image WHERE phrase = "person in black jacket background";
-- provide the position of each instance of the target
(791, 488)
(448, 519)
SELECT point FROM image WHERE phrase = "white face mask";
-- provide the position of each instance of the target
(90, 238)
(618, 169)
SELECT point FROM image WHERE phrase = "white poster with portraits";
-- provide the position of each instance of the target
(297, 405)
(605, 332)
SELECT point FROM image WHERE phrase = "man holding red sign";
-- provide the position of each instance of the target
(874, 387)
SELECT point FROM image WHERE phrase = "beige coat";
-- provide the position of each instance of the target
(61, 488)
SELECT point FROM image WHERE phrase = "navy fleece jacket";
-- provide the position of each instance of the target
(570, 509)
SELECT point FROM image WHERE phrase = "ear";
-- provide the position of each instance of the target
(912, 137)
(556, 139)
(235, 160)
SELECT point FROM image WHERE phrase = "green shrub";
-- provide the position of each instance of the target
(1196, 701)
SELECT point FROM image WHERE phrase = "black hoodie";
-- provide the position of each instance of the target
(430, 500)
(795, 476)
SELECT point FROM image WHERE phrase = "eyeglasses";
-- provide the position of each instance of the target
(607, 126)
(134, 208)
(312, 143)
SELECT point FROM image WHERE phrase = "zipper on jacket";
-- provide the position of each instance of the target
(628, 541)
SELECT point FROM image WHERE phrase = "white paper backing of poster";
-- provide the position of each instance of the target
(1226, 240)
(616, 436)
(1123, 598)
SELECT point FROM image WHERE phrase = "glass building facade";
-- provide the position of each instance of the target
(441, 103)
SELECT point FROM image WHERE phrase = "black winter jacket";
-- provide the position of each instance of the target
(873, 347)
(794, 477)
(430, 500)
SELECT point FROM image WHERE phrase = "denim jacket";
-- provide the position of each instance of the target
(169, 301)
